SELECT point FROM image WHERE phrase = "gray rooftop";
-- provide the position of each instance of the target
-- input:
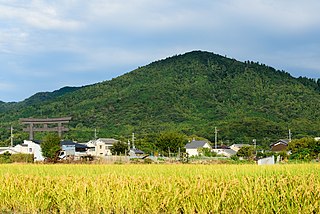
(230, 151)
(195, 144)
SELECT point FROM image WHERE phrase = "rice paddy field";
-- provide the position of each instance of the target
(37, 188)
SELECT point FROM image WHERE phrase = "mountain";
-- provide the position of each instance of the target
(190, 93)
(46, 96)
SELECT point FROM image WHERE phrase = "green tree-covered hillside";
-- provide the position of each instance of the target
(190, 93)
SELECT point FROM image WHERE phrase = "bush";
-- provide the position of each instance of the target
(22, 158)
(5, 157)
(16, 158)
(147, 161)
(234, 157)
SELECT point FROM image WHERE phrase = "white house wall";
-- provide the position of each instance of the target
(31, 148)
(192, 152)
(101, 147)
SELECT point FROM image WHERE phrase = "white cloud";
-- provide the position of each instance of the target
(145, 15)
(12, 39)
(37, 14)
(293, 15)
(5, 87)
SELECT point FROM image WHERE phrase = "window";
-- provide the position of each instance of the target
(30, 149)
(100, 146)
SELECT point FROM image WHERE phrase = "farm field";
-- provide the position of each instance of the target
(37, 188)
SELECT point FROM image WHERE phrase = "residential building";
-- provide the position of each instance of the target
(225, 152)
(280, 145)
(237, 147)
(7, 149)
(30, 147)
(101, 147)
(193, 147)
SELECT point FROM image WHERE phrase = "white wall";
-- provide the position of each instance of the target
(102, 147)
(31, 148)
(192, 152)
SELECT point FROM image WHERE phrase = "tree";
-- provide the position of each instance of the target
(246, 152)
(119, 147)
(206, 152)
(171, 141)
(304, 148)
(50, 146)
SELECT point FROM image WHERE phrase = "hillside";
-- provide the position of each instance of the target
(190, 93)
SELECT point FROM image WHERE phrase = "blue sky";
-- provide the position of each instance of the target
(46, 45)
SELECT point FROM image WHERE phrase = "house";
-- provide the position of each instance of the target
(280, 145)
(225, 152)
(192, 148)
(237, 147)
(317, 138)
(30, 147)
(101, 147)
(7, 149)
(137, 153)
(77, 146)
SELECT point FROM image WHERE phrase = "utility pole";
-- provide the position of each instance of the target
(255, 146)
(95, 134)
(11, 136)
(129, 145)
(215, 137)
(289, 135)
(133, 146)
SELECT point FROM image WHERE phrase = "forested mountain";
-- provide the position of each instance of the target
(190, 93)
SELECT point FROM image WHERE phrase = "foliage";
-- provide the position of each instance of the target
(50, 146)
(5, 157)
(265, 154)
(191, 94)
(170, 141)
(207, 152)
(246, 152)
(22, 158)
(304, 148)
(16, 158)
(234, 158)
(119, 148)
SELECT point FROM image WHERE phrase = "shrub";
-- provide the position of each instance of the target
(22, 158)
(147, 161)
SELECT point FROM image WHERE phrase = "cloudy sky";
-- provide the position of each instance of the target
(46, 45)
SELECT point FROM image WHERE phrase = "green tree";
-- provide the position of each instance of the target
(50, 146)
(304, 149)
(207, 152)
(171, 141)
(246, 152)
(119, 147)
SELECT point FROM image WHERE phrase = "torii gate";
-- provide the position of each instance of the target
(31, 122)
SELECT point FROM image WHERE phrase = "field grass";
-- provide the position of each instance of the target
(159, 188)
